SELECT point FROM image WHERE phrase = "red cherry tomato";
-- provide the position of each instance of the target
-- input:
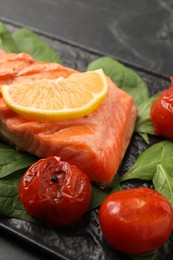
(136, 221)
(162, 114)
(55, 191)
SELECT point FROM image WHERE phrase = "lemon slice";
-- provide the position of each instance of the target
(60, 99)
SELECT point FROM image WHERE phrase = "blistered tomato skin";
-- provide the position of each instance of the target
(55, 192)
(162, 114)
(136, 221)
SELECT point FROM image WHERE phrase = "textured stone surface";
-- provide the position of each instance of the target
(138, 31)
(84, 241)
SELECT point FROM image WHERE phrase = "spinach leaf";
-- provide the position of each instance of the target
(145, 137)
(163, 182)
(98, 194)
(144, 123)
(123, 77)
(29, 42)
(116, 185)
(9, 200)
(97, 197)
(12, 160)
(146, 164)
(7, 42)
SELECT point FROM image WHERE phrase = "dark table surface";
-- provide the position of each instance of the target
(138, 31)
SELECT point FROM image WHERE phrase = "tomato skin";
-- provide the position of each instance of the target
(162, 114)
(55, 192)
(136, 221)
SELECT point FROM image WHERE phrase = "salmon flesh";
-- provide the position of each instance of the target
(96, 144)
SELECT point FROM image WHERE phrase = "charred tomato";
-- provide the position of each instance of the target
(162, 114)
(55, 192)
(136, 221)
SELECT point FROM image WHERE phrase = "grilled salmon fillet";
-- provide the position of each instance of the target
(96, 144)
(11, 64)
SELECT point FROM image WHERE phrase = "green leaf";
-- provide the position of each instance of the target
(146, 164)
(145, 137)
(7, 42)
(144, 124)
(12, 160)
(98, 194)
(116, 185)
(123, 77)
(97, 197)
(29, 42)
(149, 256)
(9, 199)
(163, 182)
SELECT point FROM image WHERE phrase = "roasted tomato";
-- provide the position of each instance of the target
(162, 114)
(136, 221)
(55, 191)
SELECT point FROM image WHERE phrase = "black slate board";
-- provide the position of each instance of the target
(84, 241)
